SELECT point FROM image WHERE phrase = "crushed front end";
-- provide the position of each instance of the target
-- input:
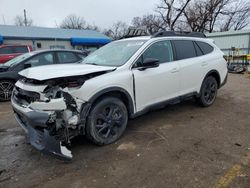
(49, 114)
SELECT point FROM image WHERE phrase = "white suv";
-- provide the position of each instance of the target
(121, 80)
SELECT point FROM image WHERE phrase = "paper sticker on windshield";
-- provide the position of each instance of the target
(135, 44)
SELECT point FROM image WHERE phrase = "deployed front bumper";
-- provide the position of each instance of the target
(34, 124)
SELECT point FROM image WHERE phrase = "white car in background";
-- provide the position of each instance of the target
(121, 80)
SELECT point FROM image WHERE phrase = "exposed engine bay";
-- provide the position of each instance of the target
(49, 113)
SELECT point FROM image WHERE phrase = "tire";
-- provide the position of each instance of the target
(6, 88)
(208, 92)
(107, 121)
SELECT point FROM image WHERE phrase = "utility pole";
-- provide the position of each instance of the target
(3, 20)
(25, 18)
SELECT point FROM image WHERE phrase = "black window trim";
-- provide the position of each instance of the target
(195, 44)
(206, 44)
(150, 44)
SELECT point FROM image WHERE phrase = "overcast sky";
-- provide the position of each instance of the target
(50, 13)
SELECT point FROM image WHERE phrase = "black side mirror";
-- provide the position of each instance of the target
(27, 65)
(149, 63)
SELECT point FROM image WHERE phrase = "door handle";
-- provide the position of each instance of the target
(174, 70)
(204, 63)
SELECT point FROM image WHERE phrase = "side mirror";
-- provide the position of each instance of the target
(149, 63)
(27, 65)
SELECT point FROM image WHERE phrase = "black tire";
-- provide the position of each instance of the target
(208, 91)
(107, 121)
(6, 88)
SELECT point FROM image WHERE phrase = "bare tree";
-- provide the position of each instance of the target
(73, 22)
(214, 15)
(236, 17)
(118, 30)
(76, 22)
(153, 23)
(92, 27)
(171, 11)
(20, 21)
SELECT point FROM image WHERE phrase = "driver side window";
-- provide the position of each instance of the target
(160, 50)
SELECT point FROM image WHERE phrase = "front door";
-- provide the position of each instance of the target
(158, 84)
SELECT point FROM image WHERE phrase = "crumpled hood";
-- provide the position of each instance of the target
(64, 70)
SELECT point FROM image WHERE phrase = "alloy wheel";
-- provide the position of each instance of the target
(6, 88)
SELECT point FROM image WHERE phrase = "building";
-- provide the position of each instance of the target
(226, 40)
(49, 38)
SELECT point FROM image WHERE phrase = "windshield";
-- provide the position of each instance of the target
(18, 59)
(114, 53)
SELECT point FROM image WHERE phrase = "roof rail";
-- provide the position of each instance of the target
(178, 33)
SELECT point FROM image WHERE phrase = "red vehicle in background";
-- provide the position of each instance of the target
(8, 52)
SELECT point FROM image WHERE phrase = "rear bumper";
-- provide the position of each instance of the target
(34, 124)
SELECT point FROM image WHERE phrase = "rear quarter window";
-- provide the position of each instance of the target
(184, 49)
(206, 48)
(198, 50)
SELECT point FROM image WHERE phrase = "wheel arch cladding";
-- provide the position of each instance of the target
(115, 92)
(216, 75)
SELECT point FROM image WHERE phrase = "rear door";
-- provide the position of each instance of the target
(191, 62)
(155, 85)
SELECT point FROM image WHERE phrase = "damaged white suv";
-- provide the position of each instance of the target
(121, 80)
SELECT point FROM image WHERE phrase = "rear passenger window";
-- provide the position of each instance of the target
(159, 50)
(184, 49)
(20, 49)
(206, 48)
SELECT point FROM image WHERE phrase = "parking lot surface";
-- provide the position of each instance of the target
(181, 145)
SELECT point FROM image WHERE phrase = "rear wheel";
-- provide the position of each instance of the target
(208, 91)
(107, 121)
(6, 88)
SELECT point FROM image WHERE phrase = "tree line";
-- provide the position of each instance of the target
(174, 15)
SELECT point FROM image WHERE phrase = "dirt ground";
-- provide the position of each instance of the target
(182, 145)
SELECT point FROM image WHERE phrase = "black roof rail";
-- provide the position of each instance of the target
(178, 33)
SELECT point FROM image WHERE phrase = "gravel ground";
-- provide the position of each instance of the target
(182, 145)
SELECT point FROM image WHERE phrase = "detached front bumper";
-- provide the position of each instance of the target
(34, 124)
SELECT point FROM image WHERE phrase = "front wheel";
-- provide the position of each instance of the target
(107, 121)
(208, 91)
(6, 88)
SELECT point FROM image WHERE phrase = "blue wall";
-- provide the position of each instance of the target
(1, 39)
